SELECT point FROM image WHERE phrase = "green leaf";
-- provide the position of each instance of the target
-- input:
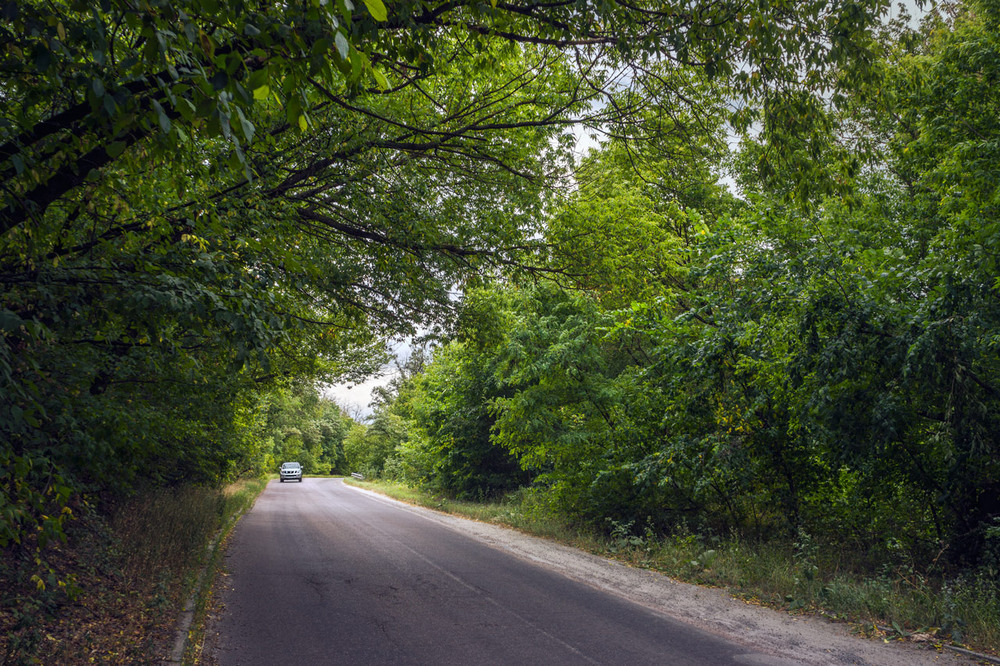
(9, 321)
(293, 110)
(161, 117)
(380, 79)
(377, 9)
(358, 62)
(186, 109)
(343, 48)
(245, 125)
(115, 149)
(258, 79)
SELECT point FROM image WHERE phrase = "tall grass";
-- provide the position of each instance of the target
(164, 532)
(522, 510)
(132, 568)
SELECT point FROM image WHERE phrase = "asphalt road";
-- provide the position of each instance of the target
(320, 573)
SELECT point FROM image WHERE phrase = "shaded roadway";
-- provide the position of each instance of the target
(320, 573)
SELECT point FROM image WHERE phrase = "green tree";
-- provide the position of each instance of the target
(368, 446)
(627, 233)
(452, 450)
(333, 425)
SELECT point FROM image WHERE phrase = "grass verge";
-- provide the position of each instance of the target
(803, 576)
(238, 499)
(112, 592)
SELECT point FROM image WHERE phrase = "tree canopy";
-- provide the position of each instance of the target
(203, 198)
(814, 356)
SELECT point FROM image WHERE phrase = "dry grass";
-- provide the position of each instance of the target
(128, 573)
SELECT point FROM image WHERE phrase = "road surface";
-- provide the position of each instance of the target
(322, 573)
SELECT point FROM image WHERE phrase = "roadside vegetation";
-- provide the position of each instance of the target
(787, 387)
(797, 576)
(113, 590)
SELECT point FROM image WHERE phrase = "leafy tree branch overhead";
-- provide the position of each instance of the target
(204, 200)
(84, 83)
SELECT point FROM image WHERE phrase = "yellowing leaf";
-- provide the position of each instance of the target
(377, 9)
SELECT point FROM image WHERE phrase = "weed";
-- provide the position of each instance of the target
(806, 550)
(623, 537)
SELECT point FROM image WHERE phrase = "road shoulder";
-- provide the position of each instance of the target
(803, 638)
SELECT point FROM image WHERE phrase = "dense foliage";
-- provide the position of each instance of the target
(818, 356)
(150, 307)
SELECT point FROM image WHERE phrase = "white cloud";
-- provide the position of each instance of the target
(355, 397)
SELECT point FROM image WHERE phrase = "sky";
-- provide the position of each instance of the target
(354, 397)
